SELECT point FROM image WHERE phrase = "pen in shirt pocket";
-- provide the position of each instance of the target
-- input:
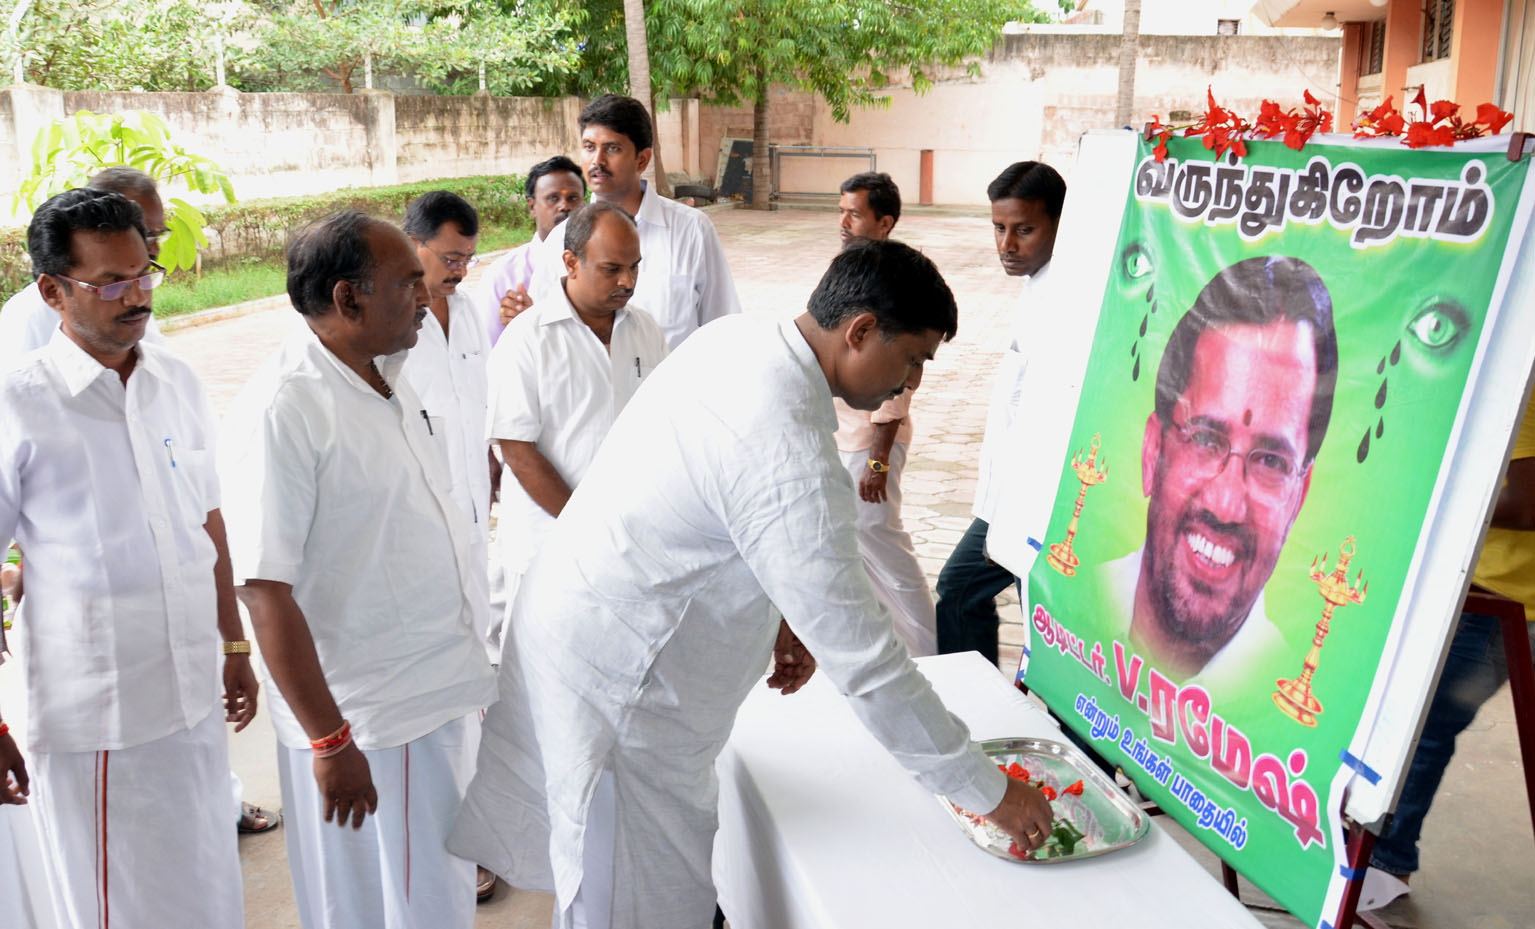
(170, 449)
(637, 367)
(428, 420)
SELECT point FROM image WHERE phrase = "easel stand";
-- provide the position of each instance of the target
(1521, 681)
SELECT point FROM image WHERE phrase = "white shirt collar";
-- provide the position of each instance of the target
(799, 346)
(651, 211)
(388, 365)
(560, 309)
(79, 370)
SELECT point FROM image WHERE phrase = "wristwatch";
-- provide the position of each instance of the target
(877, 466)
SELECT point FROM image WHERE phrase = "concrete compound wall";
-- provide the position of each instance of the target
(1035, 95)
(284, 144)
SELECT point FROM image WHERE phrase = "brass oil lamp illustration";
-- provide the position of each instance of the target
(1090, 472)
(1294, 697)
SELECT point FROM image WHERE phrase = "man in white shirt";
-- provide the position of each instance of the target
(106, 482)
(684, 279)
(647, 616)
(554, 187)
(27, 321)
(354, 564)
(447, 368)
(1026, 203)
(874, 446)
(562, 376)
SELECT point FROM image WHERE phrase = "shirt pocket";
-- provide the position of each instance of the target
(194, 481)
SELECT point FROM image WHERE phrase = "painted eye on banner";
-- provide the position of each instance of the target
(1439, 326)
(1135, 263)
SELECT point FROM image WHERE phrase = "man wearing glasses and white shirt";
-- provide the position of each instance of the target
(447, 368)
(27, 322)
(684, 281)
(107, 483)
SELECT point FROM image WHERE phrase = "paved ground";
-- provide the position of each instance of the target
(1479, 856)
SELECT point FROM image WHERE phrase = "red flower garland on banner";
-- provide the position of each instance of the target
(1223, 130)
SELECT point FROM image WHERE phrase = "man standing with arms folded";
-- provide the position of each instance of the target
(564, 373)
(1026, 203)
(354, 563)
(874, 444)
(106, 482)
(554, 187)
(684, 280)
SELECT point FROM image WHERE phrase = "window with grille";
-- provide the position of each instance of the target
(1372, 51)
(1228, 27)
(1438, 28)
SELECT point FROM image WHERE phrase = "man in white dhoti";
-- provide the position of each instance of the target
(647, 617)
(873, 445)
(354, 563)
(106, 483)
(684, 280)
(563, 373)
(447, 369)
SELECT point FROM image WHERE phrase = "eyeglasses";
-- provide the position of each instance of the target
(115, 290)
(462, 264)
(1206, 451)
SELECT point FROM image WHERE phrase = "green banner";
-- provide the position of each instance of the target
(1277, 371)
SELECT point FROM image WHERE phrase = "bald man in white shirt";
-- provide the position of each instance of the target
(125, 604)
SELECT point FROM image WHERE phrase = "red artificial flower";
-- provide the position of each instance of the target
(1492, 117)
(1075, 789)
(1384, 120)
(1161, 133)
(1442, 109)
(1422, 134)
(1015, 851)
(1421, 101)
(1048, 791)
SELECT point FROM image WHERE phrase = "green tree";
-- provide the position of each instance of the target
(113, 45)
(68, 151)
(848, 52)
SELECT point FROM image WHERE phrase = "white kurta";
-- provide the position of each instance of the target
(684, 279)
(447, 371)
(1007, 394)
(27, 322)
(346, 496)
(646, 619)
(554, 384)
(107, 487)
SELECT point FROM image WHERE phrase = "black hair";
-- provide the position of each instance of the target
(884, 196)
(551, 166)
(1030, 180)
(56, 220)
(326, 252)
(898, 284)
(583, 220)
(624, 115)
(125, 180)
(1257, 292)
(426, 215)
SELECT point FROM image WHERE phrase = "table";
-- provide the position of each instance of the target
(821, 829)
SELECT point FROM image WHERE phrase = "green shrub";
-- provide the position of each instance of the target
(258, 229)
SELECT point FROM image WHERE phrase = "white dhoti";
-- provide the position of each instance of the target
(23, 885)
(888, 556)
(140, 837)
(395, 872)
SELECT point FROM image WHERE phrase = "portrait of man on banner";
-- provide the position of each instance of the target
(1244, 394)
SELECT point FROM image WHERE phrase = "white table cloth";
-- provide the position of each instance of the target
(819, 828)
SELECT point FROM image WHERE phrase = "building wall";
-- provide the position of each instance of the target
(1036, 95)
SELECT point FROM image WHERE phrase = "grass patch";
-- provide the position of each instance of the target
(252, 279)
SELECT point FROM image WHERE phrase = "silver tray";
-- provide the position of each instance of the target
(1103, 812)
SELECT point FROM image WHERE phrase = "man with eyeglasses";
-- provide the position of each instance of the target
(27, 322)
(447, 368)
(106, 480)
(1243, 396)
